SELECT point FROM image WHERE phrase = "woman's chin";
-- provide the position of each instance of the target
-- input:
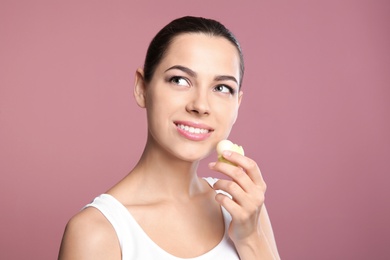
(192, 157)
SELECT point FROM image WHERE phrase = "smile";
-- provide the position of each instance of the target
(193, 130)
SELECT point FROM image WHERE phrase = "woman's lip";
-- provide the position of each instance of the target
(193, 136)
(194, 124)
(200, 136)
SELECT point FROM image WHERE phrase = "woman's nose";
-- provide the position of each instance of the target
(199, 104)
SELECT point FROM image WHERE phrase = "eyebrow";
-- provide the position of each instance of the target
(226, 77)
(194, 74)
(184, 69)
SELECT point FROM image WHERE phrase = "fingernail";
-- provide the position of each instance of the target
(227, 153)
(211, 165)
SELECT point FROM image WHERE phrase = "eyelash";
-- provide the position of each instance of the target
(174, 80)
(232, 91)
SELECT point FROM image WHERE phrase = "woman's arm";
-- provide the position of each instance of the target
(262, 246)
(88, 235)
(250, 229)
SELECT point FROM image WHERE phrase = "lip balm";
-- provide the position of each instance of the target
(230, 146)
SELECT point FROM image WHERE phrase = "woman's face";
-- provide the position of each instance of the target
(193, 98)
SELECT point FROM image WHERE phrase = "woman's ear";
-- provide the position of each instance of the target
(240, 97)
(140, 88)
(239, 103)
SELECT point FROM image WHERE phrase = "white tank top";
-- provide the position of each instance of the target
(136, 244)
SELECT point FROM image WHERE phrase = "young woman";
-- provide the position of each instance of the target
(190, 87)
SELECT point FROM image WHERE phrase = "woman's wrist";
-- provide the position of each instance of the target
(255, 246)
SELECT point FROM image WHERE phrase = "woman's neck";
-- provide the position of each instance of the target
(161, 176)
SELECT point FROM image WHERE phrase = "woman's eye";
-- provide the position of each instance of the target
(179, 81)
(224, 89)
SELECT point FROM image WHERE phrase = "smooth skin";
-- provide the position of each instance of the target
(195, 83)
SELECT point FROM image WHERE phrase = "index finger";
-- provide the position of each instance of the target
(247, 164)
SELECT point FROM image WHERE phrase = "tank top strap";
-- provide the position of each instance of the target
(118, 216)
(211, 181)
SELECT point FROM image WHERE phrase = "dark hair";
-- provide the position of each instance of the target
(187, 24)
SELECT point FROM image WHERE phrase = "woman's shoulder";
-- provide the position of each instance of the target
(90, 222)
(88, 235)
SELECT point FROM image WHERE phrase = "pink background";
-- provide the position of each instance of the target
(315, 115)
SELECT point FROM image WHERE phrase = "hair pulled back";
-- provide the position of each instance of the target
(188, 24)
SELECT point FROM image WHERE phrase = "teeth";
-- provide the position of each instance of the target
(193, 130)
